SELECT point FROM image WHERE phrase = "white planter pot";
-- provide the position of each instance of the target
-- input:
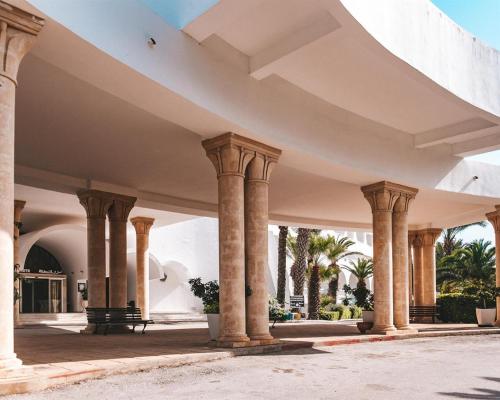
(486, 316)
(213, 326)
(368, 316)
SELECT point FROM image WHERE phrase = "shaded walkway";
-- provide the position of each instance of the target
(61, 355)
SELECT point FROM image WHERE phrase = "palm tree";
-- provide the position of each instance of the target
(337, 251)
(362, 269)
(449, 240)
(281, 284)
(318, 247)
(299, 266)
(473, 263)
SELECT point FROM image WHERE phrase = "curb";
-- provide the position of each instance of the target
(288, 346)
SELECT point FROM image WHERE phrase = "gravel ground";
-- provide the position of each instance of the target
(451, 367)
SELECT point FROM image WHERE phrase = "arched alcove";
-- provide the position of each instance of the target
(68, 245)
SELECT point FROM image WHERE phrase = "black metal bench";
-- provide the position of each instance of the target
(419, 312)
(109, 317)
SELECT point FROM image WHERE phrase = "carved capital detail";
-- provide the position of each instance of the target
(260, 168)
(95, 202)
(142, 225)
(18, 209)
(430, 236)
(494, 219)
(416, 239)
(387, 196)
(231, 153)
(18, 31)
(121, 207)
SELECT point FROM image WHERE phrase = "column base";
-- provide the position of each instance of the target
(248, 343)
(9, 365)
(383, 330)
(497, 323)
(264, 336)
(406, 330)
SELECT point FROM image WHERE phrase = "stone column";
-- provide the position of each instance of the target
(230, 157)
(18, 31)
(429, 237)
(256, 243)
(494, 218)
(118, 216)
(142, 226)
(400, 259)
(18, 209)
(381, 197)
(418, 269)
(96, 204)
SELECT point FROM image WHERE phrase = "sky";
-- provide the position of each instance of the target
(482, 19)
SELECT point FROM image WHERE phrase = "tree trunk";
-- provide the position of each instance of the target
(281, 285)
(333, 287)
(313, 293)
(299, 275)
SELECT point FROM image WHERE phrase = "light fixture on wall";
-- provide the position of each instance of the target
(151, 42)
(164, 277)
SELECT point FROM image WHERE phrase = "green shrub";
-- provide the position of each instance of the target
(344, 311)
(276, 311)
(356, 312)
(328, 315)
(325, 300)
(457, 307)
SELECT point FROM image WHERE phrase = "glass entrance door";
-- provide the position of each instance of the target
(55, 296)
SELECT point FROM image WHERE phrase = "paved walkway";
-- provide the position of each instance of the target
(440, 368)
(59, 355)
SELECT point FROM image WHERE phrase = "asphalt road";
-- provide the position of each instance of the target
(440, 368)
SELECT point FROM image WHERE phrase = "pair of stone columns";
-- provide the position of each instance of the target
(423, 242)
(494, 218)
(243, 169)
(98, 204)
(389, 203)
(18, 32)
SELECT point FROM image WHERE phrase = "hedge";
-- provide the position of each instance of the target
(328, 315)
(457, 307)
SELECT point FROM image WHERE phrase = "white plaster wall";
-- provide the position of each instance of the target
(180, 251)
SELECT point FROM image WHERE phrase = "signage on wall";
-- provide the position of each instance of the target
(296, 301)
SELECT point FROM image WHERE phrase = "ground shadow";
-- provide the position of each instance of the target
(480, 393)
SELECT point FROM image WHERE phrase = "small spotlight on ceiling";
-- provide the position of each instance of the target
(475, 178)
(151, 42)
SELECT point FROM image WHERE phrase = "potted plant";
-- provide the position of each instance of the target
(368, 313)
(209, 295)
(485, 312)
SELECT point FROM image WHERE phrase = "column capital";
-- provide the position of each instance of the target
(142, 225)
(18, 32)
(384, 195)
(121, 207)
(430, 236)
(95, 202)
(18, 208)
(494, 218)
(230, 154)
(260, 168)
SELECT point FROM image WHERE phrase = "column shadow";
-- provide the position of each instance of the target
(479, 393)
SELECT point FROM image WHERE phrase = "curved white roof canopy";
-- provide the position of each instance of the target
(318, 79)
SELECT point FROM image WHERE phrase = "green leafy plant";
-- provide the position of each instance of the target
(276, 311)
(85, 294)
(208, 293)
